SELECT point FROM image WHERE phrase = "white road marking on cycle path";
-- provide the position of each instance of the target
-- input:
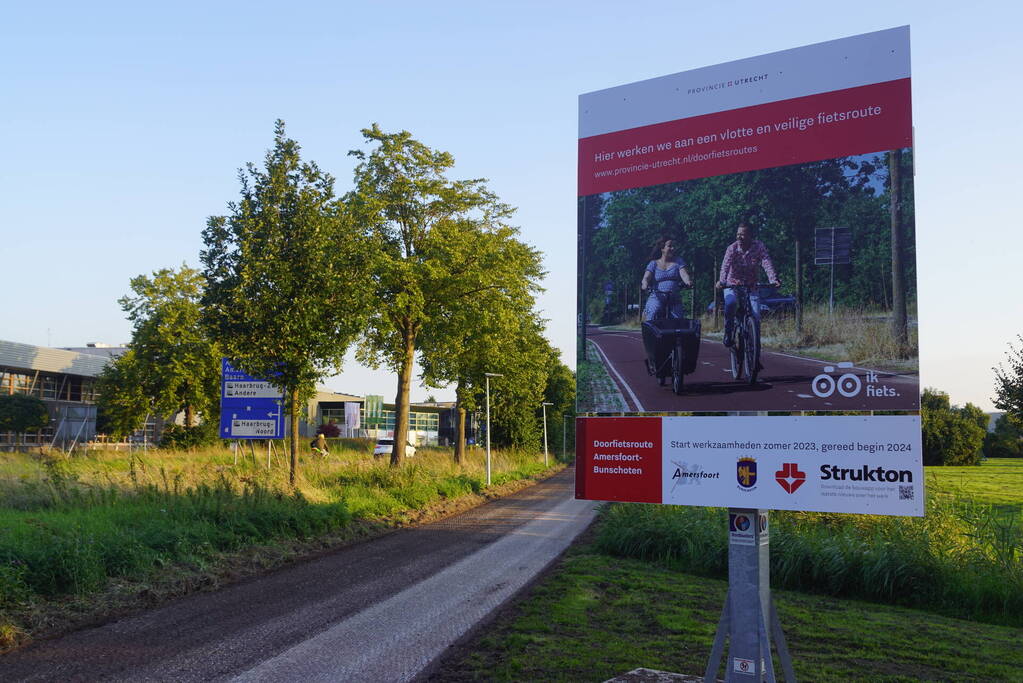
(621, 380)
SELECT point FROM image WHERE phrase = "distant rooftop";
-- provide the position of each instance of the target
(28, 357)
(98, 349)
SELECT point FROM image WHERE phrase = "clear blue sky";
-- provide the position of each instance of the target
(124, 125)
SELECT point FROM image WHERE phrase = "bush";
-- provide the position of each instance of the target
(329, 430)
(177, 437)
(1006, 441)
(951, 435)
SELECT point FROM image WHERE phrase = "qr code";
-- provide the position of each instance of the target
(905, 493)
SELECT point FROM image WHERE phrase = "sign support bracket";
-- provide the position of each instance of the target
(749, 620)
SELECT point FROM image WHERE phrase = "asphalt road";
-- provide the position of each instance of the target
(783, 384)
(382, 610)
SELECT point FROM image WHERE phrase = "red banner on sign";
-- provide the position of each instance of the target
(870, 118)
(619, 459)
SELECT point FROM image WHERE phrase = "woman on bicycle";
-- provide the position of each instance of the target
(743, 259)
(665, 273)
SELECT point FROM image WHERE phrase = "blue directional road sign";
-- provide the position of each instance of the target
(250, 408)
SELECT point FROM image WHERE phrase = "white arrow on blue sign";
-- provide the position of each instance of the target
(250, 407)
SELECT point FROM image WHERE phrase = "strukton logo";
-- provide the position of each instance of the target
(790, 477)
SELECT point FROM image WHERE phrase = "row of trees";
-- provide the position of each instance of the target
(871, 195)
(407, 265)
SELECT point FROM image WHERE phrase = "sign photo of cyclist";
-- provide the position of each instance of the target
(747, 237)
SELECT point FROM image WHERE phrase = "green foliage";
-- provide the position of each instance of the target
(123, 405)
(594, 617)
(1006, 441)
(285, 275)
(87, 537)
(785, 203)
(179, 437)
(172, 365)
(79, 522)
(963, 558)
(951, 435)
(449, 274)
(21, 413)
(1009, 384)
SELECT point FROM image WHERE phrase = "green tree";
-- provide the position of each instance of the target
(950, 435)
(1009, 384)
(422, 225)
(122, 406)
(560, 393)
(20, 413)
(474, 327)
(172, 365)
(1005, 441)
(285, 276)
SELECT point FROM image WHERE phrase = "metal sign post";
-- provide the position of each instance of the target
(832, 246)
(749, 621)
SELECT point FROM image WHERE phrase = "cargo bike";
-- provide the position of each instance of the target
(672, 344)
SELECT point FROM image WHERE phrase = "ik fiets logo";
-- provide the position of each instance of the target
(746, 473)
(848, 384)
(790, 477)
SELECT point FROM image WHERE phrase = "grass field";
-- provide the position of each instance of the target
(646, 589)
(597, 617)
(998, 481)
(69, 527)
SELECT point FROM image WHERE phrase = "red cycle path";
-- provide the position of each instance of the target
(784, 383)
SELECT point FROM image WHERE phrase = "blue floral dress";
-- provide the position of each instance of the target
(668, 280)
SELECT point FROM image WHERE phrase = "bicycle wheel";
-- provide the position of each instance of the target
(751, 352)
(677, 376)
(735, 355)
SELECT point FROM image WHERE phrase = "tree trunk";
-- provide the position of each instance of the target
(293, 400)
(189, 416)
(460, 439)
(459, 428)
(799, 286)
(899, 324)
(401, 401)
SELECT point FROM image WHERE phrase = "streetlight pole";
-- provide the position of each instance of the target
(544, 405)
(488, 375)
(564, 438)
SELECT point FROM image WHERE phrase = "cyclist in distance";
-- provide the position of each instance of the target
(742, 262)
(663, 274)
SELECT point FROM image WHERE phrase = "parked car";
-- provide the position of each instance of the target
(386, 447)
(771, 301)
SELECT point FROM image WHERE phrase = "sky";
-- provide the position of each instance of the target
(124, 125)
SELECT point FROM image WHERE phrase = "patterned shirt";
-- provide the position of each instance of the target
(742, 267)
(666, 280)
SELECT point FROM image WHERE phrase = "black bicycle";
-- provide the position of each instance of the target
(745, 350)
(672, 344)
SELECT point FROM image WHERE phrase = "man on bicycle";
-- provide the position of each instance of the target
(740, 267)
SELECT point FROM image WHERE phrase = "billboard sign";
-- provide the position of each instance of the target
(720, 177)
(250, 408)
(848, 464)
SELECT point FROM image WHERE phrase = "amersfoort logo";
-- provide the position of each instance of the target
(742, 80)
(688, 473)
(789, 477)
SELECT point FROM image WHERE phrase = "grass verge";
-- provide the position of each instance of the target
(596, 392)
(91, 536)
(596, 617)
